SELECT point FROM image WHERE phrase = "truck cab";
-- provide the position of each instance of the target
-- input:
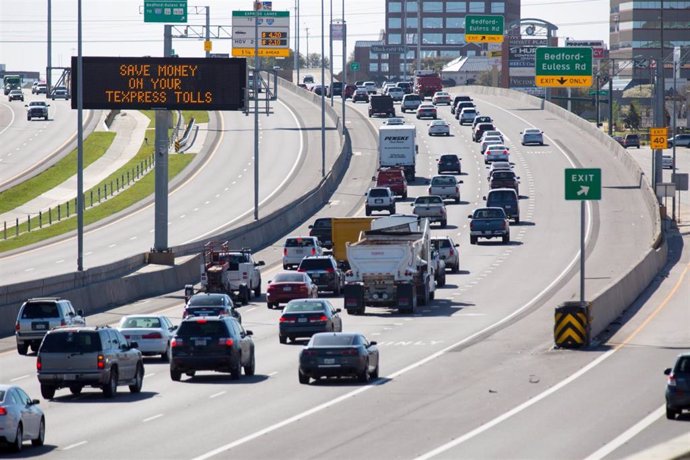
(393, 178)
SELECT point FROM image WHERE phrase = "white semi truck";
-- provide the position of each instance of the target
(398, 147)
(391, 266)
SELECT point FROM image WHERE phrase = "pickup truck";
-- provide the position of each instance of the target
(504, 179)
(37, 109)
(489, 223)
(445, 186)
(432, 208)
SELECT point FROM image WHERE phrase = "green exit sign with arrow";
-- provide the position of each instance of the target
(563, 67)
(583, 184)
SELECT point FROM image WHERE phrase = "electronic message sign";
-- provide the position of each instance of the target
(161, 83)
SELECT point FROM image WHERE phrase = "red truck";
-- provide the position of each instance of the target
(393, 178)
(427, 82)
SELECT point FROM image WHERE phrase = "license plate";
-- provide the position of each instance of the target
(70, 377)
(299, 251)
(329, 361)
(200, 342)
(287, 289)
(378, 200)
(302, 320)
(39, 326)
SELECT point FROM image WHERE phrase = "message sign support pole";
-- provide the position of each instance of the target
(323, 95)
(161, 163)
(330, 50)
(208, 28)
(582, 251)
(419, 35)
(50, 48)
(80, 147)
(344, 64)
(255, 84)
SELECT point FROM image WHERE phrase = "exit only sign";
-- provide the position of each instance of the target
(583, 184)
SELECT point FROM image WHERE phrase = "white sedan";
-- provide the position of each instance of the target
(20, 418)
(532, 136)
(439, 127)
(152, 333)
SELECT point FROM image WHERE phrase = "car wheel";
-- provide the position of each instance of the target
(138, 380)
(35, 346)
(670, 413)
(457, 200)
(165, 357)
(473, 240)
(303, 378)
(367, 211)
(47, 391)
(110, 388)
(18, 439)
(363, 376)
(28, 118)
(236, 370)
(175, 375)
(75, 389)
(23, 348)
(249, 369)
(257, 290)
(506, 239)
(517, 220)
(456, 268)
(190, 373)
(444, 222)
(41, 438)
(375, 373)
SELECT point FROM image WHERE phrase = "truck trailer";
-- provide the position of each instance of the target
(398, 147)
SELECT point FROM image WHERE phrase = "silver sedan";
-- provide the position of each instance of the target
(20, 418)
(152, 333)
(439, 127)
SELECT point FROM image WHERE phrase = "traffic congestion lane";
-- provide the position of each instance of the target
(28, 143)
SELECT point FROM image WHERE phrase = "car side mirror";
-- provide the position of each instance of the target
(460, 182)
(80, 312)
(667, 371)
(311, 226)
(457, 245)
(249, 332)
(34, 402)
(261, 263)
(26, 105)
(269, 281)
(173, 328)
(373, 177)
(483, 198)
(411, 204)
(469, 216)
(133, 345)
(372, 343)
(70, 313)
(338, 310)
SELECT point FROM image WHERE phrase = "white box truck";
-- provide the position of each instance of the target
(398, 147)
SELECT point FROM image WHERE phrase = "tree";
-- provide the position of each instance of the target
(632, 118)
(314, 60)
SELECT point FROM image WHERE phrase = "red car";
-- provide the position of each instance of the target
(349, 91)
(287, 286)
(393, 178)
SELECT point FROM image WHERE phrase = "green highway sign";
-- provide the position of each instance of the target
(261, 13)
(563, 67)
(583, 184)
(601, 92)
(169, 11)
(354, 66)
(484, 29)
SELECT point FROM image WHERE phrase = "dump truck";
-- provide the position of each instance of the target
(230, 271)
(344, 230)
(391, 266)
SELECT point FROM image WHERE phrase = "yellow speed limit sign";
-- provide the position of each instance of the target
(657, 138)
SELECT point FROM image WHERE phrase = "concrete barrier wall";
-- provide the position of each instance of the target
(101, 288)
(610, 303)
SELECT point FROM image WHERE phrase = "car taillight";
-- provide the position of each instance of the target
(100, 362)
(226, 341)
(16, 326)
(185, 314)
(176, 342)
(38, 364)
(349, 351)
(303, 288)
(318, 319)
(313, 251)
(428, 190)
(330, 270)
(152, 335)
(201, 321)
(3, 411)
(671, 380)
(301, 270)
(285, 252)
(63, 323)
(309, 352)
(286, 319)
(244, 275)
(451, 249)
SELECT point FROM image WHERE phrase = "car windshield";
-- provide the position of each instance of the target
(40, 310)
(299, 243)
(378, 192)
(501, 196)
(444, 243)
(137, 322)
(448, 180)
(532, 131)
(411, 97)
(288, 278)
(489, 214)
(504, 175)
(202, 328)
(438, 123)
(332, 340)
(428, 200)
(2, 395)
(205, 300)
(294, 307)
(205, 311)
(322, 223)
(449, 158)
(37, 104)
(315, 264)
(496, 148)
(71, 342)
(683, 366)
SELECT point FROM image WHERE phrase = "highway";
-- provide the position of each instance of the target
(216, 197)
(29, 144)
(473, 375)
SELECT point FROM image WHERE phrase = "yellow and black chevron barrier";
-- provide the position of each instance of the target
(572, 325)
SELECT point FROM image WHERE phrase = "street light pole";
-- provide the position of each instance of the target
(659, 116)
(50, 48)
(419, 35)
(344, 63)
(330, 53)
(80, 146)
(255, 81)
(323, 95)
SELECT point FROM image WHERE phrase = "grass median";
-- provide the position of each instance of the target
(95, 147)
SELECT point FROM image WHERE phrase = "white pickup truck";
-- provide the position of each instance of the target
(445, 186)
(431, 207)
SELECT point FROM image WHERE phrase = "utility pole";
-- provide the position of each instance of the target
(50, 49)
(344, 62)
(295, 63)
(307, 60)
(323, 95)
(330, 52)
(255, 84)
(659, 117)
(419, 35)
(80, 145)
(404, 38)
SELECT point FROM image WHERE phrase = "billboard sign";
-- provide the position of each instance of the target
(273, 29)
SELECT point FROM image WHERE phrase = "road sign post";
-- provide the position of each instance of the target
(484, 29)
(658, 138)
(563, 67)
(582, 185)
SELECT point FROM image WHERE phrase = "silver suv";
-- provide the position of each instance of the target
(449, 252)
(380, 199)
(39, 315)
(75, 357)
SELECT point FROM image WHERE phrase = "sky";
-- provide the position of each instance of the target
(116, 27)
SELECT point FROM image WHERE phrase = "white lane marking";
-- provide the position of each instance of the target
(76, 444)
(59, 261)
(152, 418)
(628, 434)
(112, 245)
(253, 308)
(133, 238)
(149, 375)
(215, 395)
(278, 189)
(272, 373)
(19, 378)
(88, 253)
(29, 269)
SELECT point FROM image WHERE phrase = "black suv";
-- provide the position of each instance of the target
(322, 229)
(324, 272)
(212, 344)
(380, 104)
(631, 140)
(39, 315)
(449, 162)
(100, 357)
(457, 100)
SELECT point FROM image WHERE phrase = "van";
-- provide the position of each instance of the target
(299, 247)
(507, 199)
(393, 178)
